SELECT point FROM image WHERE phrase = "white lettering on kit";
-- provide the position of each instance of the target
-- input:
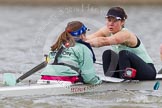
(66, 53)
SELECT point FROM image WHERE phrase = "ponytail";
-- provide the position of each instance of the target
(64, 38)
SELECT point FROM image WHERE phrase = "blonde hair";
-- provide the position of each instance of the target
(65, 36)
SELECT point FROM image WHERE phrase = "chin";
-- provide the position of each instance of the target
(111, 31)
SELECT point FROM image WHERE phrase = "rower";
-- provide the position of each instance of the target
(71, 58)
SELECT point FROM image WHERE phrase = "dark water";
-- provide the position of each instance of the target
(27, 33)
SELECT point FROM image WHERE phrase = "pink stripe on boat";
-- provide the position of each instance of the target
(72, 79)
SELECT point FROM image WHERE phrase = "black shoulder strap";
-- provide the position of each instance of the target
(57, 55)
(56, 61)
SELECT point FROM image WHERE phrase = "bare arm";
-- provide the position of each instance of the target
(122, 37)
(100, 33)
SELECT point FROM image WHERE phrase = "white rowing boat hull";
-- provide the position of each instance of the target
(61, 89)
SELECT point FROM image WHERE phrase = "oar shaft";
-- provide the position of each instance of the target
(97, 62)
(32, 71)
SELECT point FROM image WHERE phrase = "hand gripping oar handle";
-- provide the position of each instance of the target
(32, 71)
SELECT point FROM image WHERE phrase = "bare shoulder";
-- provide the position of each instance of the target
(125, 37)
(131, 38)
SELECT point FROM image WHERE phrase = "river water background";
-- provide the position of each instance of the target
(27, 32)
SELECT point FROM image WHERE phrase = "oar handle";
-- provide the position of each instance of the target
(32, 71)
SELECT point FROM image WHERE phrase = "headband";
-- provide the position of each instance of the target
(79, 31)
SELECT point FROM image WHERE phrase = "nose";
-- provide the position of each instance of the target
(110, 23)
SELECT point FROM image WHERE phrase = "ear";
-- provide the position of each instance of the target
(82, 36)
(122, 22)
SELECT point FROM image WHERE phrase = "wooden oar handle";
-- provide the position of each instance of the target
(46, 57)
